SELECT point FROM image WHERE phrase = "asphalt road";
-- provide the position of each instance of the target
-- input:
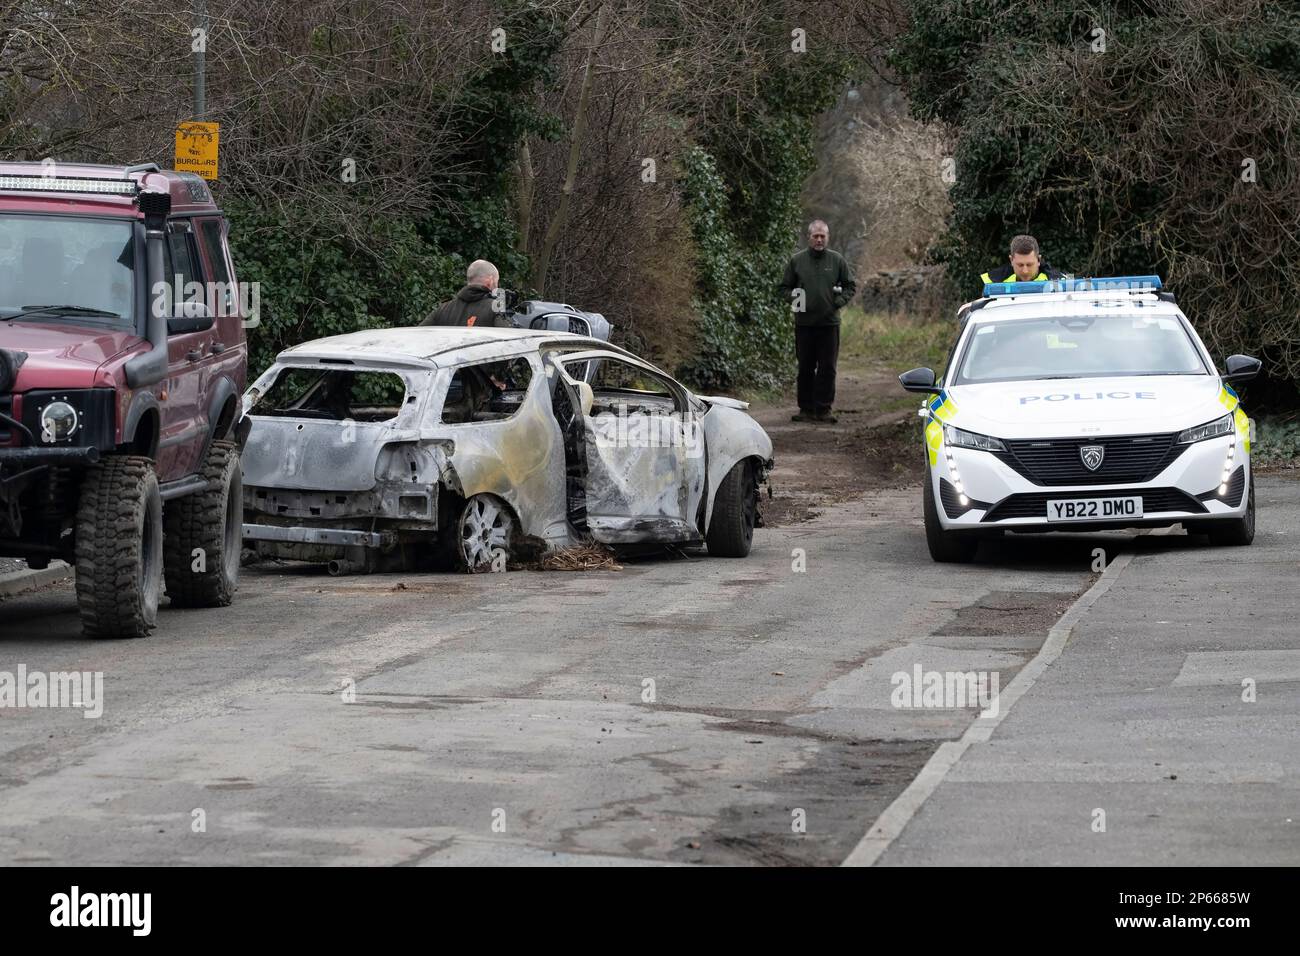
(1166, 733)
(680, 710)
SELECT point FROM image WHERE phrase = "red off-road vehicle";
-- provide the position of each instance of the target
(120, 398)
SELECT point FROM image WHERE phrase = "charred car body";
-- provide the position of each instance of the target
(555, 317)
(466, 447)
(118, 405)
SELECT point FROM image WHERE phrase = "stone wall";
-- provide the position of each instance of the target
(922, 292)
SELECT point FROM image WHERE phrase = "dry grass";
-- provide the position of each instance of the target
(584, 557)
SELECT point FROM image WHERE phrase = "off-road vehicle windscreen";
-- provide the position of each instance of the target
(1078, 346)
(67, 269)
(333, 395)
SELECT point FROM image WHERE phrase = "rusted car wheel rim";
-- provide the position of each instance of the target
(485, 531)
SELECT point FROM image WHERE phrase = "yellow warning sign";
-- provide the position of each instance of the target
(196, 149)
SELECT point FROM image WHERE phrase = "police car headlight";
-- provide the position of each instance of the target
(959, 438)
(58, 422)
(1220, 426)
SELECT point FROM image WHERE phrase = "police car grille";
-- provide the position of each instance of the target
(1035, 505)
(1057, 461)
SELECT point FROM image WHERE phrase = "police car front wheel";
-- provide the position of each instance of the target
(947, 547)
(1235, 532)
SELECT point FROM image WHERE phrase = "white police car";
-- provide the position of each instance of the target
(1079, 405)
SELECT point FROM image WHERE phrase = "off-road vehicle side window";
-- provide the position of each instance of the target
(182, 256)
(215, 255)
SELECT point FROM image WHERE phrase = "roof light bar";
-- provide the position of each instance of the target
(1106, 284)
(67, 184)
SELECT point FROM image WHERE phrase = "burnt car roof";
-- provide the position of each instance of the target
(421, 345)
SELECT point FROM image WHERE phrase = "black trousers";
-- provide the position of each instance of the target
(817, 347)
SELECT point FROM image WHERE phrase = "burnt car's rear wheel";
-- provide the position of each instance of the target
(204, 534)
(735, 512)
(119, 542)
(484, 532)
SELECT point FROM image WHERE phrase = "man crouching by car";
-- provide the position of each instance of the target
(473, 305)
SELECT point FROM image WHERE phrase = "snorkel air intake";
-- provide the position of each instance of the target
(150, 367)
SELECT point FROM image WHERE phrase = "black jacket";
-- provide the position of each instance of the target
(471, 306)
(817, 274)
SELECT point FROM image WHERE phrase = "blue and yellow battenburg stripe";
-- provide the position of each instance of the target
(1228, 398)
(942, 408)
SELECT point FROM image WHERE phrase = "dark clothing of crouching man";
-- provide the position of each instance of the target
(472, 305)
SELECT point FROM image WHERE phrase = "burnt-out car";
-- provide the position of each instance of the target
(416, 447)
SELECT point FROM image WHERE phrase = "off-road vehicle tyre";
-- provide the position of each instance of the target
(211, 522)
(119, 545)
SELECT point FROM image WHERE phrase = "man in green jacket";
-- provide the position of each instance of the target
(818, 283)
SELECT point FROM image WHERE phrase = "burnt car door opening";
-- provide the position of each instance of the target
(634, 451)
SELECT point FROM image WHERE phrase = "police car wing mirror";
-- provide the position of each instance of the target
(1241, 368)
(919, 380)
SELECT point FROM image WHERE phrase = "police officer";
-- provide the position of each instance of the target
(1025, 264)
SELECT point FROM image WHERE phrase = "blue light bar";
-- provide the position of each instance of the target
(1110, 283)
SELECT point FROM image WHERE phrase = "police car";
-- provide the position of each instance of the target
(1080, 405)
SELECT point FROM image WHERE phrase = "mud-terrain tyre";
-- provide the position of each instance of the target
(210, 521)
(946, 547)
(735, 513)
(119, 545)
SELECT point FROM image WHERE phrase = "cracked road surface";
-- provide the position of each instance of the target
(687, 709)
(681, 710)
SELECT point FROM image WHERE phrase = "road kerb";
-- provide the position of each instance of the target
(21, 582)
(890, 824)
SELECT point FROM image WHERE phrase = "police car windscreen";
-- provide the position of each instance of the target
(1079, 346)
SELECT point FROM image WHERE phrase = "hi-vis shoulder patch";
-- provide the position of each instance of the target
(943, 407)
(1240, 420)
